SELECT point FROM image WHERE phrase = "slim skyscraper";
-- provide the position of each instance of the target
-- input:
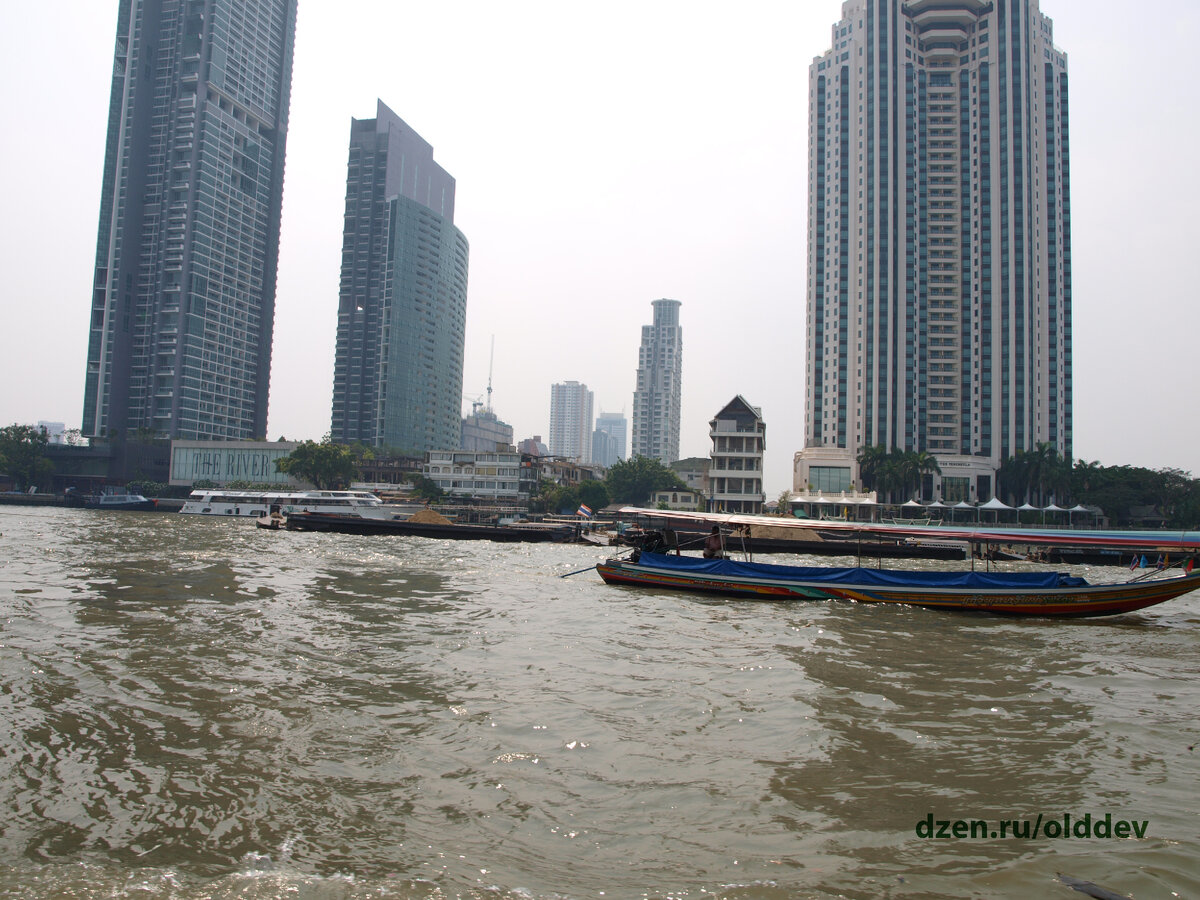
(656, 401)
(571, 421)
(183, 297)
(402, 310)
(939, 248)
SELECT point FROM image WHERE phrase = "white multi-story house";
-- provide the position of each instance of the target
(735, 473)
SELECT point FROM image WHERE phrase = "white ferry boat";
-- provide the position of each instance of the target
(219, 502)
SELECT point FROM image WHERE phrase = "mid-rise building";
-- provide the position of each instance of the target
(533, 446)
(658, 396)
(183, 292)
(571, 421)
(939, 224)
(693, 472)
(482, 430)
(735, 472)
(485, 475)
(398, 368)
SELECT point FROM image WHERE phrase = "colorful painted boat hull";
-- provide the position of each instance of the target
(1023, 594)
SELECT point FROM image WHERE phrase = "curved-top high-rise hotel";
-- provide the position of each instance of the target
(939, 263)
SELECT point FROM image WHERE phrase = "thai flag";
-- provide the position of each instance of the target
(584, 510)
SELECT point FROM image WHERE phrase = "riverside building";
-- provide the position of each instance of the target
(657, 399)
(939, 223)
(183, 293)
(735, 472)
(398, 365)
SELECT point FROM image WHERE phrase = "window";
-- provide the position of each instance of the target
(829, 479)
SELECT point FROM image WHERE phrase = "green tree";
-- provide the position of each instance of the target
(425, 488)
(23, 455)
(634, 480)
(1013, 479)
(871, 463)
(1177, 496)
(894, 471)
(325, 465)
(914, 465)
(1033, 475)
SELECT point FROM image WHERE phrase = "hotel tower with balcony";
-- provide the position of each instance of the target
(939, 237)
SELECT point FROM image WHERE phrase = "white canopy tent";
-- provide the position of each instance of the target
(995, 505)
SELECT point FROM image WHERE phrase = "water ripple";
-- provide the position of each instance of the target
(203, 709)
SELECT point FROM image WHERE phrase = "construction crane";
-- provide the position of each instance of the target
(477, 399)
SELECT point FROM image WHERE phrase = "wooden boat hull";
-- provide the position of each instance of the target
(1025, 596)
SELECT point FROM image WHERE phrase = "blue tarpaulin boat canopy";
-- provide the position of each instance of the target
(728, 568)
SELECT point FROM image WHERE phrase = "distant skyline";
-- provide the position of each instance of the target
(600, 166)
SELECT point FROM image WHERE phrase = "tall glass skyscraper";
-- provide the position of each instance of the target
(402, 310)
(657, 399)
(939, 223)
(183, 298)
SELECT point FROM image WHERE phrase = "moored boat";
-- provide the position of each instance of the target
(1005, 593)
(118, 501)
(225, 502)
(273, 522)
(416, 527)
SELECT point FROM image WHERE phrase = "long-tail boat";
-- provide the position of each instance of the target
(1006, 593)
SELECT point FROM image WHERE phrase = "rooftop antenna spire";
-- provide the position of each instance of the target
(491, 359)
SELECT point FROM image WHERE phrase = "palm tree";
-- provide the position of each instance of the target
(1014, 477)
(871, 461)
(925, 463)
(1084, 477)
(891, 476)
(1043, 461)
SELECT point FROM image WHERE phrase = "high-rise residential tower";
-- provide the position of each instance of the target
(656, 401)
(183, 296)
(939, 241)
(571, 421)
(402, 310)
(609, 439)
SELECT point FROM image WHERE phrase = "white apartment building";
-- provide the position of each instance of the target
(571, 421)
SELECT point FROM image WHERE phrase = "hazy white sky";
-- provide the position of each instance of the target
(606, 156)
